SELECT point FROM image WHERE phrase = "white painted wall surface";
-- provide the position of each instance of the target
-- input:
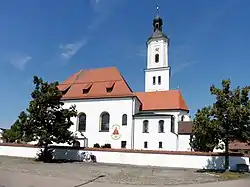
(26, 152)
(164, 73)
(184, 143)
(93, 109)
(155, 69)
(163, 54)
(142, 159)
(1, 136)
(153, 137)
(170, 140)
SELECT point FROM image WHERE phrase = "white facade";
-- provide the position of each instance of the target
(154, 138)
(1, 136)
(94, 108)
(131, 135)
(157, 73)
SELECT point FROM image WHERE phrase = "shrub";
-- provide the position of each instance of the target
(107, 145)
(45, 156)
(96, 145)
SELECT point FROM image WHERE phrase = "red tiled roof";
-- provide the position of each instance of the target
(108, 82)
(97, 81)
(162, 100)
(239, 146)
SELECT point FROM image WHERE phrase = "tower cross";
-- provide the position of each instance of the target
(158, 10)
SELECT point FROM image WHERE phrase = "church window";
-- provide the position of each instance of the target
(82, 122)
(159, 79)
(124, 119)
(156, 58)
(172, 124)
(160, 144)
(104, 120)
(154, 80)
(161, 126)
(123, 144)
(110, 87)
(86, 88)
(76, 144)
(145, 126)
(145, 144)
(182, 118)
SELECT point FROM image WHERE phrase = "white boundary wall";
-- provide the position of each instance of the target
(176, 160)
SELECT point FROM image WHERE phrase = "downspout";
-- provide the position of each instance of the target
(177, 141)
(177, 134)
(133, 124)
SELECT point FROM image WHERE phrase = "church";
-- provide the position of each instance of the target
(110, 112)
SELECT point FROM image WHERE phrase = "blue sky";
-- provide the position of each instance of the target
(53, 39)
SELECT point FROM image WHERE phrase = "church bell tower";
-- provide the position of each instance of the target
(157, 72)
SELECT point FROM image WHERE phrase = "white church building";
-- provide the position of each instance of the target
(110, 112)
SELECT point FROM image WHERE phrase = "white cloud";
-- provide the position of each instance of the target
(70, 49)
(103, 10)
(18, 60)
(97, 1)
(183, 66)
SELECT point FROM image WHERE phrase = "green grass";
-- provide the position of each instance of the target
(230, 175)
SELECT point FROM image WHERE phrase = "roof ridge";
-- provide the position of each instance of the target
(160, 91)
(91, 69)
(98, 81)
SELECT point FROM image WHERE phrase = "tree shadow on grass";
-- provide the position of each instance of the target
(237, 164)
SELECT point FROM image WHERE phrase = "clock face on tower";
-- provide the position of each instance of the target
(157, 49)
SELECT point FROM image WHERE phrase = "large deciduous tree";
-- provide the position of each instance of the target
(48, 122)
(227, 120)
(205, 135)
(231, 110)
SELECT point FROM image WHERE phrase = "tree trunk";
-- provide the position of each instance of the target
(227, 155)
(47, 155)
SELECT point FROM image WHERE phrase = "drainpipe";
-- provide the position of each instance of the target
(177, 142)
(133, 124)
(177, 135)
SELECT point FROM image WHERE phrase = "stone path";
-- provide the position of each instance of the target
(20, 172)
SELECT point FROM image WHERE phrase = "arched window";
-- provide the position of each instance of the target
(82, 122)
(104, 120)
(159, 80)
(172, 124)
(76, 144)
(161, 126)
(145, 126)
(124, 119)
(156, 58)
(154, 80)
(182, 118)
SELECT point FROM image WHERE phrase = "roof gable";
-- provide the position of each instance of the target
(162, 100)
(95, 83)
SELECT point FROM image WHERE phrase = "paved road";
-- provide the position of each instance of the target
(20, 172)
(8, 179)
(114, 174)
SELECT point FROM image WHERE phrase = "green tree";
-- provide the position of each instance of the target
(231, 110)
(205, 135)
(48, 122)
(14, 134)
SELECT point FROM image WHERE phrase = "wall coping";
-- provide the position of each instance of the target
(128, 150)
